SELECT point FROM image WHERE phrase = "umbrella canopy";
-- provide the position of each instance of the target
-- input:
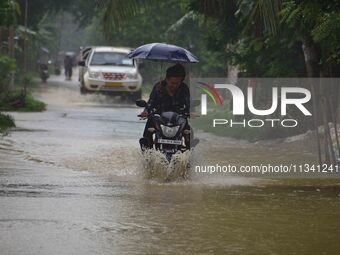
(164, 52)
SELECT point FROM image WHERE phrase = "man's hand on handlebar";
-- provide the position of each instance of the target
(143, 115)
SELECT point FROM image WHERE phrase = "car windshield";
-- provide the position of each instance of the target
(111, 58)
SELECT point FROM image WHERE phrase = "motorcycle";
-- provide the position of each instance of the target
(169, 133)
(57, 70)
(44, 72)
(169, 127)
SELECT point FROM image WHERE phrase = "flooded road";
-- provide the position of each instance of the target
(71, 182)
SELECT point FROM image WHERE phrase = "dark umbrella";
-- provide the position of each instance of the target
(164, 52)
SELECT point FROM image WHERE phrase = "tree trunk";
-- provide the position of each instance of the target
(316, 121)
(11, 50)
(11, 41)
(311, 55)
(1, 35)
(25, 39)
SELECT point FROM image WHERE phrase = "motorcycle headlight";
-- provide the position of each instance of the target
(169, 131)
(132, 76)
(94, 75)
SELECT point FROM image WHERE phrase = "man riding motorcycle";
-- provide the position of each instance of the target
(168, 95)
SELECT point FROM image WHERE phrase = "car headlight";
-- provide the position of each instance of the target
(169, 131)
(94, 75)
(132, 76)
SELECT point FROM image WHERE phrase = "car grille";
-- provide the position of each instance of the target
(114, 76)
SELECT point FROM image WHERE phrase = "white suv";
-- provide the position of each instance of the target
(109, 70)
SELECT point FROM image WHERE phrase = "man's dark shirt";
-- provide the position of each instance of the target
(161, 101)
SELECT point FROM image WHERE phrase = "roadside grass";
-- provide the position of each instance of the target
(32, 105)
(21, 102)
(6, 122)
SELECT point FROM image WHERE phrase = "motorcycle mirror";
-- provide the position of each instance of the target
(81, 63)
(141, 103)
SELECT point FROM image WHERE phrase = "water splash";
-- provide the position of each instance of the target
(154, 165)
(66, 97)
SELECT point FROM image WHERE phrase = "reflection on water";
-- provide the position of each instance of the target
(51, 210)
(76, 188)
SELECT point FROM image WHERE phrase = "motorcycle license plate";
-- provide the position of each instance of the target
(167, 141)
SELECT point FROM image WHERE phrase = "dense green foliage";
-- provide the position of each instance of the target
(262, 38)
(20, 101)
(266, 38)
(7, 65)
(6, 122)
(8, 11)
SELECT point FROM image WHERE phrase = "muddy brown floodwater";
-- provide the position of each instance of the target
(71, 183)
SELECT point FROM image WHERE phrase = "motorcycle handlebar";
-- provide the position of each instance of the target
(185, 115)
